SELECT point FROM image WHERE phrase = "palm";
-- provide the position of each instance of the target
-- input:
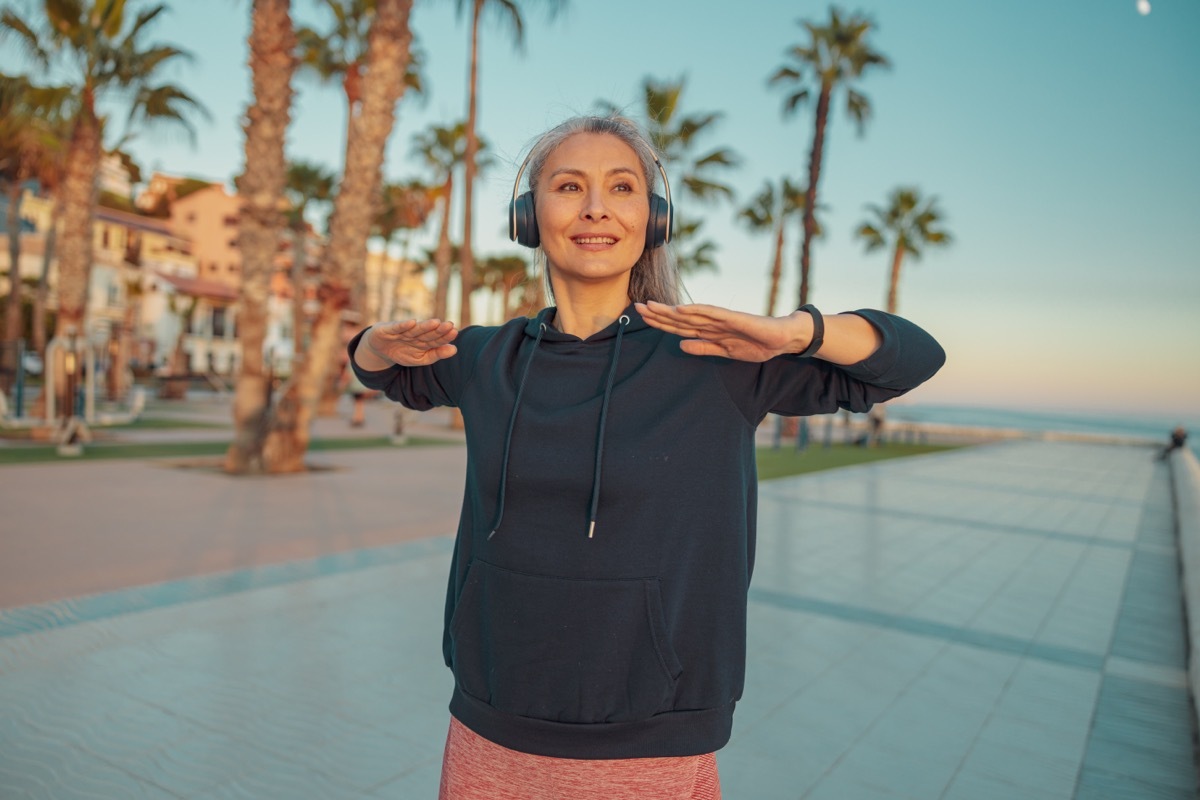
(509, 12)
(675, 136)
(715, 331)
(443, 148)
(767, 212)
(101, 57)
(908, 224)
(412, 343)
(835, 55)
(30, 126)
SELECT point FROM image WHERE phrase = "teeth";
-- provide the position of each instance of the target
(595, 240)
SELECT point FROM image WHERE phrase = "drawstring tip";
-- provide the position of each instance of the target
(490, 535)
(591, 528)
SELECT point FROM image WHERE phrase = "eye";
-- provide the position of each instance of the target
(623, 186)
(568, 186)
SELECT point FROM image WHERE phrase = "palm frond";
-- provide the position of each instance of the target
(30, 42)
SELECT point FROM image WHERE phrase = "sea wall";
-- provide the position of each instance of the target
(1185, 473)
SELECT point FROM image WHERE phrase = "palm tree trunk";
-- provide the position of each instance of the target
(299, 268)
(12, 313)
(441, 256)
(894, 280)
(272, 60)
(810, 195)
(349, 227)
(41, 296)
(776, 269)
(79, 198)
(467, 257)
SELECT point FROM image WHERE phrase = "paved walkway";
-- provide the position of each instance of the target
(1001, 622)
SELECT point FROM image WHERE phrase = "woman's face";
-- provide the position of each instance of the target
(592, 207)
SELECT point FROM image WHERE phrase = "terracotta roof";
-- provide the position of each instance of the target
(198, 287)
(152, 224)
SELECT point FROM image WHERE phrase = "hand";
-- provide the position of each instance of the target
(409, 343)
(714, 331)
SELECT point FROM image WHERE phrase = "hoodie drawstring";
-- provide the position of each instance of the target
(512, 423)
(612, 372)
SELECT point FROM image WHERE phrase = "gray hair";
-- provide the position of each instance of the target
(655, 275)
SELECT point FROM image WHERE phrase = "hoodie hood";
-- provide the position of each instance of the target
(546, 317)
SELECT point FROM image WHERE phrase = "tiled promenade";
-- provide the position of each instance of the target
(996, 623)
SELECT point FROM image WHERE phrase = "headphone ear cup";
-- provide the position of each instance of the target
(523, 222)
(658, 226)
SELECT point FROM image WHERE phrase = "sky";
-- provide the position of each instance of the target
(1059, 138)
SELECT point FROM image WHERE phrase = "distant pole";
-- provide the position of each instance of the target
(802, 435)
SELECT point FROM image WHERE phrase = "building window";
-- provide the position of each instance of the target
(218, 323)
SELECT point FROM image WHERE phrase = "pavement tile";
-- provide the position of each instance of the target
(938, 628)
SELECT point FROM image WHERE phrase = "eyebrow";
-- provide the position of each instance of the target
(580, 174)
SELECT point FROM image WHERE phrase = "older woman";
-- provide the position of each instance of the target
(596, 609)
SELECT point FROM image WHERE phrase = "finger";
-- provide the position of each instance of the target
(699, 347)
(437, 333)
(670, 326)
(696, 318)
(694, 312)
(393, 328)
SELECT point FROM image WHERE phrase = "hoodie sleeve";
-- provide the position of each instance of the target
(794, 386)
(422, 388)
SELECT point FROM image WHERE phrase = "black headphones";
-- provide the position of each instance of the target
(522, 222)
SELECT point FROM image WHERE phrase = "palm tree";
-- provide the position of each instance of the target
(89, 42)
(502, 275)
(30, 122)
(308, 183)
(509, 12)
(675, 134)
(272, 63)
(835, 56)
(354, 211)
(771, 211)
(443, 148)
(405, 209)
(907, 224)
(339, 53)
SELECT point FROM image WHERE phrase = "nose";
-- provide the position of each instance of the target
(594, 208)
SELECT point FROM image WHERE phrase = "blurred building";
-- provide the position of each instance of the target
(170, 277)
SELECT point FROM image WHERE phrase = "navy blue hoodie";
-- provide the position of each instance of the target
(596, 606)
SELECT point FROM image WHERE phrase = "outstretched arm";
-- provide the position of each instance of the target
(715, 331)
(410, 343)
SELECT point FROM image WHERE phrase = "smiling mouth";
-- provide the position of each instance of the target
(594, 240)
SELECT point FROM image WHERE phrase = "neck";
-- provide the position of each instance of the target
(585, 311)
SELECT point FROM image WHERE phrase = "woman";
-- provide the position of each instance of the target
(596, 609)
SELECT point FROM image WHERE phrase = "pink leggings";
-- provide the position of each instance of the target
(476, 769)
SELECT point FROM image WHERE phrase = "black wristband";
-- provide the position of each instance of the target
(818, 337)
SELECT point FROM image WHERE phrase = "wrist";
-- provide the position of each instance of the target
(364, 348)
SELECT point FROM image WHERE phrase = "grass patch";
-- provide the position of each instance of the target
(98, 452)
(786, 461)
(162, 423)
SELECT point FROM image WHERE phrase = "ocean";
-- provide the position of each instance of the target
(1155, 427)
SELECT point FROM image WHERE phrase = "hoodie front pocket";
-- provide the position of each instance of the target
(563, 649)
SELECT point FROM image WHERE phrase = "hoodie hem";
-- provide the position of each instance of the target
(673, 734)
